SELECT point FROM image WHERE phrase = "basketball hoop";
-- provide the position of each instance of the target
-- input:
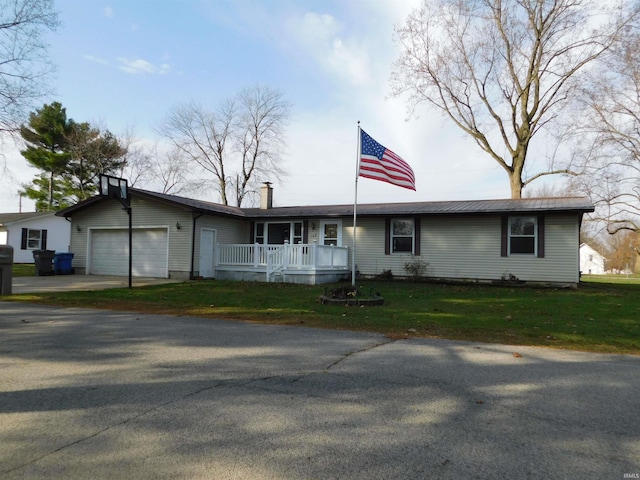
(114, 187)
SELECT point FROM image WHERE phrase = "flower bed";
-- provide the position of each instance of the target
(350, 297)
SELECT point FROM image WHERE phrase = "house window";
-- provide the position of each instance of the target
(277, 233)
(259, 233)
(297, 232)
(33, 239)
(402, 235)
(522, 235)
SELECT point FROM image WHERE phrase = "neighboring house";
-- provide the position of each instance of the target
(591, 262)
(27, 232)
(534, 240)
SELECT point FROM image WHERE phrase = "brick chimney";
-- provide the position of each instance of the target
(266, 196)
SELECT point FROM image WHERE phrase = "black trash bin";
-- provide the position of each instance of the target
(44, 261)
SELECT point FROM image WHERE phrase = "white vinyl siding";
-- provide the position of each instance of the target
(146, 215)
(468, 247)
(228, 231)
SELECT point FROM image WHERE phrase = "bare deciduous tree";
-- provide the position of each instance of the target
(202, 138)
(240, 144)
(502, 70)
(259, 138)
(149, 166)
(24, 61)
(624, 252)
(609, 147)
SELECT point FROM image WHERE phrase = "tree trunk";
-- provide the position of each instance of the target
(50, 191)
(515, 172)
(516, 185)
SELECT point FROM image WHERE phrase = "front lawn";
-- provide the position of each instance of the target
(24, 269)
(597, 316)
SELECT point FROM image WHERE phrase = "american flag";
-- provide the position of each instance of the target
(380, 163)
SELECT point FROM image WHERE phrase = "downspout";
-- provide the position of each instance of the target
(580, 218)
(193, 244)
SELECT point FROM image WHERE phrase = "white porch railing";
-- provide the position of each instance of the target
(276, 258)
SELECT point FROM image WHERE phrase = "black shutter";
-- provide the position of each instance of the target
(540, 236)
(416, 231)
(23, 242)
(43, 237)
(305, 231)
(387, 236)
(504, 236)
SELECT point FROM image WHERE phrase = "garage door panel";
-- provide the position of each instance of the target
(110, 252)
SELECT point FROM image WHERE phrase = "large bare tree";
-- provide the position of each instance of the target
(609, 150)
(25, 65)
(240, 144)
(259, 137)
(202, 137)
(503, 70)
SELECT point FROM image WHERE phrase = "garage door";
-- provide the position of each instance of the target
(109, 254)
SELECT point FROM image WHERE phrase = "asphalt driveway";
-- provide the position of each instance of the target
(101, 394)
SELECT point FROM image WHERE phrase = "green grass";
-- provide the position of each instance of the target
(610, 278)
(597, 316)
(24, 269)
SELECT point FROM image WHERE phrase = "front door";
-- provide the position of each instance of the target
(331, 232)
(207, 252)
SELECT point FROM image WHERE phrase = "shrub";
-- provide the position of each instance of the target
(416, 268)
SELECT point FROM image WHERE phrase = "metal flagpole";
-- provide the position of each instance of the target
(355, 208)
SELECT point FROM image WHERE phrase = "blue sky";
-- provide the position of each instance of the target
(125, 64)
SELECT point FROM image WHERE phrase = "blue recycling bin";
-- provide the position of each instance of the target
(62, 263)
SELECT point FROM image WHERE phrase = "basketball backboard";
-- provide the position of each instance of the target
(114, 187)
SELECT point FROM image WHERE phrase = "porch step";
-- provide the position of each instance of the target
(276, 277)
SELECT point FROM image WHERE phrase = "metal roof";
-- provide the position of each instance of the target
(523, 205)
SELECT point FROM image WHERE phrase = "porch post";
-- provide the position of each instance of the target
(287, 252)
(256, 255)
(314, 250)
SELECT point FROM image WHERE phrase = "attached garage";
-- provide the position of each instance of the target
(109, 252)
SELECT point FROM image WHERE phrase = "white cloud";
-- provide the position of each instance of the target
(321, 37)
(95, 59)
(139, 66)
(108, 11)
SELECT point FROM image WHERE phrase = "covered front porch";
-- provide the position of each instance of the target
(300, 263)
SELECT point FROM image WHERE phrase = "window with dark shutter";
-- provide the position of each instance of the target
(522, 235)
(399, 235)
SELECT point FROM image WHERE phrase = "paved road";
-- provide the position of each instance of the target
(97, 394)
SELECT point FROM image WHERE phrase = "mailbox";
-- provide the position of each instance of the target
(6, 269)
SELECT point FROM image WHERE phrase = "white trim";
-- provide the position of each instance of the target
(535, 236)
(338, 222)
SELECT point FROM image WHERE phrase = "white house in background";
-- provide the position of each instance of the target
(591, 262)
(27, 232)
(532, 240)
